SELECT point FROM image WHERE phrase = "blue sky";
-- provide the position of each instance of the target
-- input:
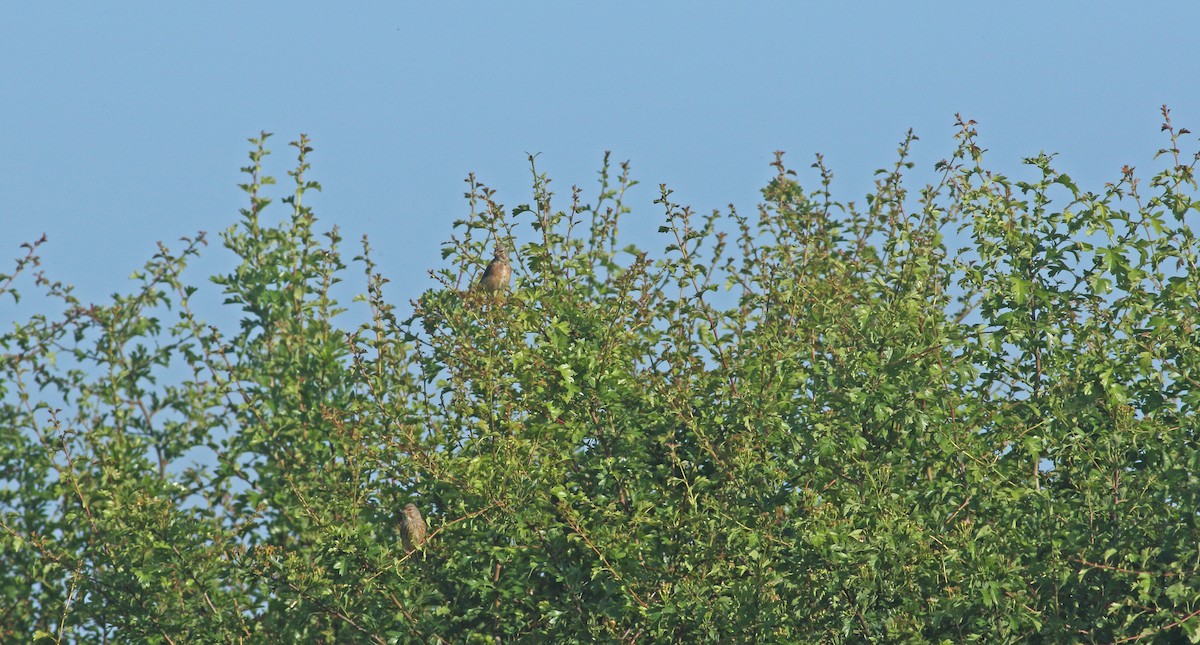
(122, 124)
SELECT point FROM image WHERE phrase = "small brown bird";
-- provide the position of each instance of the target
(412, 527)
(499, 271)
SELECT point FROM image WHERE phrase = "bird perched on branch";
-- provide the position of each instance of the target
(412, 527)
(499, 271)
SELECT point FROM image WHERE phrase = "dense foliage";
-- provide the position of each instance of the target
(814, 423)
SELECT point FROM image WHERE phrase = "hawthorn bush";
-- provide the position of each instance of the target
(814, 423)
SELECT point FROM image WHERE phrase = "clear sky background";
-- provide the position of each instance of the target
(122, 124)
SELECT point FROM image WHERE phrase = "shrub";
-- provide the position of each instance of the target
(815, 423)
